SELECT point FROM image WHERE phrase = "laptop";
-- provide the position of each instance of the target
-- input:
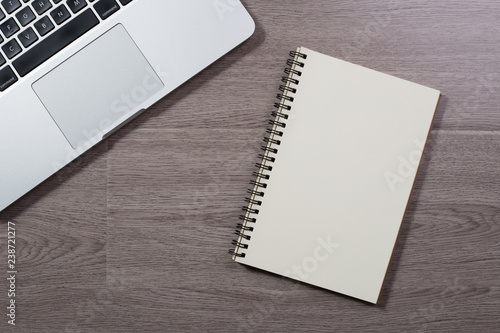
(74, 71)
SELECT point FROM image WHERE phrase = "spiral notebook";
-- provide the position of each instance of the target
(335, 175)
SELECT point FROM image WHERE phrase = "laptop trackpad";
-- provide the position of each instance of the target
(98, 88)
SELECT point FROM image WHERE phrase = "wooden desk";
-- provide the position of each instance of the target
(133, 236)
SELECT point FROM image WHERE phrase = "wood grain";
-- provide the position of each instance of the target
(133, 236)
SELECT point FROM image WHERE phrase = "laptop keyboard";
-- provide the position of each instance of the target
(32, 31)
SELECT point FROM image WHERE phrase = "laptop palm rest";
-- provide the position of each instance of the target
(98, 88)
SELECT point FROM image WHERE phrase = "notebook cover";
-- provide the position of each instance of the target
(342, 177)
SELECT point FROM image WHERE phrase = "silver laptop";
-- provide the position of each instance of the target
(74, 71)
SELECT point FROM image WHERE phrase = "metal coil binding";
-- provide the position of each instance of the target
(282, 106)
(261, 175)
(268, 157)
(279, 115)
(288, 80)
(284, 97)
(288, 89)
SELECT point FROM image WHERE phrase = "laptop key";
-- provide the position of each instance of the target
(55, 42)
(27, 37)
(76, 5)
(11, 49)
(7, 78)
(25, 16)
(125, 2)
(44, 25)
(60, 14)
(11, 5)
(9, 27)
(106, 8)
(41, 6)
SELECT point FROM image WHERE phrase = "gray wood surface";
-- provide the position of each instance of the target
(133, 236)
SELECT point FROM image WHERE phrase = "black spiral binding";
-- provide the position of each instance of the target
(275, 132)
